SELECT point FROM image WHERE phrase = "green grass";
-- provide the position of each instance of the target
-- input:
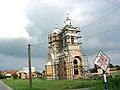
(19, 84)
(49, 84)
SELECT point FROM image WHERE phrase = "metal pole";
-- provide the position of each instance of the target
(105, 81)
(54, 65)
(29, 64)
(70, 64)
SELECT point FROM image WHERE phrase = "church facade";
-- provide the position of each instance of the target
(64, 60)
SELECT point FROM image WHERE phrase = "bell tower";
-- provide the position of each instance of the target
(70, 46)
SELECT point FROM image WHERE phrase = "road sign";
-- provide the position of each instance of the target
(102, 60)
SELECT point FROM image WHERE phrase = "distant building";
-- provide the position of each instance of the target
(26, 70)
(24, 73)
(108, 70)
(65, 59)
(9, 73)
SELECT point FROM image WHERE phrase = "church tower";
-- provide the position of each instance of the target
(64, 60)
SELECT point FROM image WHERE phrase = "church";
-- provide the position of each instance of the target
(65, 59)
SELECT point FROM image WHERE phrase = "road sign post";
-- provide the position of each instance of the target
(102, 61)
(105, 81)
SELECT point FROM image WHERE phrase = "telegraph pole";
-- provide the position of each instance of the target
(29, 64)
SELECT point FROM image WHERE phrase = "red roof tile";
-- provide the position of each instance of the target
(11, 71)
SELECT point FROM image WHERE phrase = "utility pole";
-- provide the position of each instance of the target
(29, 64)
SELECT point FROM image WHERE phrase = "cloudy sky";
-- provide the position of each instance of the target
(29, 21)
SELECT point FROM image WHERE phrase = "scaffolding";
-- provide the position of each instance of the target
(65, 48)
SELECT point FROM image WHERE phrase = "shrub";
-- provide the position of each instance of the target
(1, 76)
(114, 83)
(15, 76)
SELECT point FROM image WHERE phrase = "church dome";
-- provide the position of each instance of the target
(68, 22)
(56, 30)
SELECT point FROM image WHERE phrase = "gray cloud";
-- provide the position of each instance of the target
(18, 48)
(13, 47)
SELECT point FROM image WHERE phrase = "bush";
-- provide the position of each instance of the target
(93, 70)
(114, 83)
(117, 67)
(42, 78)
(15, 76)
(1, 76)
(95, 77)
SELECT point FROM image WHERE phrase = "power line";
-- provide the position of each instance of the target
(39, 43)
(116, 1)
(42, 50)
(34, 45)
(101, 18)
(102, 32)
(39, 47)
(112, 3)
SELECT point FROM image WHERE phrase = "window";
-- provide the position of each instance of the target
(75, 61)
(75, 67)
(72, 40)
(75, 71)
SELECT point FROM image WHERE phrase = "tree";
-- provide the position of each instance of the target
(38, 73)
(117, 67)
(93, 70)
(1, 76)
(111, 66)
(15, 76)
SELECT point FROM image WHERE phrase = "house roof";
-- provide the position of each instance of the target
(11, 71)
(113, 69)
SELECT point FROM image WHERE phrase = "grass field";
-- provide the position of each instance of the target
(50, 84)
(19, 84)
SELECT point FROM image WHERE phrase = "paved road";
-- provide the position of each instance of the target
(4, 87)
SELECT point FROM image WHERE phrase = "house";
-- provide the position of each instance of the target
(9, 73)
(108, 70)
(26, 70)
(112, 70)
(21, 74)
(24, 73)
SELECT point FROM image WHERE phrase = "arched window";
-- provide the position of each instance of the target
(75, 71)
(75, 61)
(75, 66)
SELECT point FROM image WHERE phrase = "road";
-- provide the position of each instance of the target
(4, 87)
